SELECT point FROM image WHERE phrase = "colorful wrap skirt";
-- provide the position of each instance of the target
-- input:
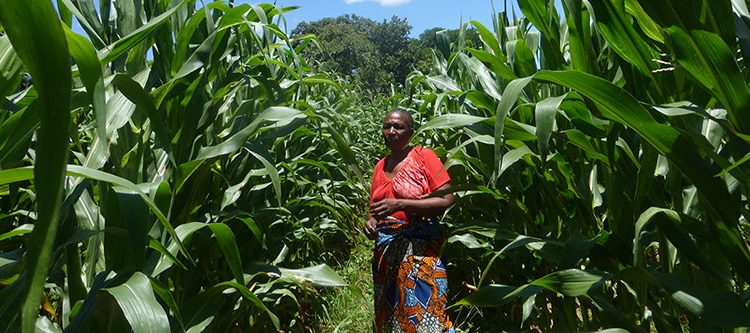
(411, 285)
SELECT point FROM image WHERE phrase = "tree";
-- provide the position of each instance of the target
(344, 48)
(378, 54)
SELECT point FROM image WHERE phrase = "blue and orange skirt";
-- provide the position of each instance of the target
(411, 285)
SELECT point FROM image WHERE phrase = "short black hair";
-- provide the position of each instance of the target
(406, 114)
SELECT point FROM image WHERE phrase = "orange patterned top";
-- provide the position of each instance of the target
(422, 173)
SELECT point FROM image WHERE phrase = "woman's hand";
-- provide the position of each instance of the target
(385, 207)
(371, 228)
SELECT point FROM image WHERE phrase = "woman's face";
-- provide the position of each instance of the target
(396, 131)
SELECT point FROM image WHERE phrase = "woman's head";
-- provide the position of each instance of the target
(398, 127)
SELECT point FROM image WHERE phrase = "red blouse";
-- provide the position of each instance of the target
(422, 173)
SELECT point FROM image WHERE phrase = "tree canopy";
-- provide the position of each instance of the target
(376, 53)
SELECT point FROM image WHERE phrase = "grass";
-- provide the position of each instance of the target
(351, 309)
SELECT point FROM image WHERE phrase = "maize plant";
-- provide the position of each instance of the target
(178, 168)
(600, 153)
(182, 168)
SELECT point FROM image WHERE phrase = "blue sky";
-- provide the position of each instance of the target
(421, 14)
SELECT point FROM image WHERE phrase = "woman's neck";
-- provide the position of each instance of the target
(400, 154)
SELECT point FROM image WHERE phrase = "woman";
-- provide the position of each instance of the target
(409, 277)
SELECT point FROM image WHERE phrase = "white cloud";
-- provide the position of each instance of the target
(387, 3)
(393, 2)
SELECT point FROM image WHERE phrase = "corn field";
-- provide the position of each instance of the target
(182, 166)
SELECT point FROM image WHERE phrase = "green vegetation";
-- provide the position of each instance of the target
(351, 309)
(376, 53)
(599, 155)
(379, 56)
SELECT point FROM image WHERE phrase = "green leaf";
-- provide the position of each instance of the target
(519, 241)
(93, 29)
(90, 69)
(510, 97)
(272, 172)
(15, 136)
(576, 249)
(511, 157)
(490, 40)
(669, 222)
(443, 43)
(523, 59)
(581, 118)
(248, 295)
(742, 25)
(710, 16)
(583, 141)
(516, 130)
(498, 295)
(136, 94)
(645, 180)
(444, 82)
(167, 297)
(183, 40)
(26, 173)
(83, 317)
(722, 308)
(182, 232)
(344, 149)
(128, 42)
(12, 68)
(616, 104)
(198, 59)
(320, 79)
(185, 171)
(124, 211)
(482, 74)
(711, 64)
(468, 240)
(543, 15)
(26, 23)
(201, 310)
(228, 245)
(138, 304)
(570, 282)
(681, 109)
(451, 120)
(320, 275)
(233, 192)
(582, 53)
(236, 141)
(544, 113)
(616, 316)
(617, 28)
(497, 65)
(645, 22)
(18, 231)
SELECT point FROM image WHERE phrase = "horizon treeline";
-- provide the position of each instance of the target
(384, 57)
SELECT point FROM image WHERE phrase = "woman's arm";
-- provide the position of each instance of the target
(432, 206)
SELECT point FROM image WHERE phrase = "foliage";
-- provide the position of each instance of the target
(351, 309)
(378, 54)
(429, 39)
(203, 158)
(386, 54)
(206, 173)
(600, 166)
